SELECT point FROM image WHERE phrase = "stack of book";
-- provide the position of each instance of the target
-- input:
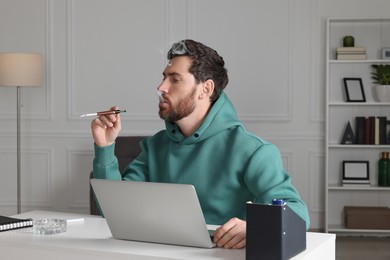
(356, 182)
(351, 53)
(371, 130)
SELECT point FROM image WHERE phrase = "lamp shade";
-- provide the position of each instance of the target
(20, 69)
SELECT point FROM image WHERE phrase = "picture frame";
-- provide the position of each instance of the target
(386, 53)
(354, 90)
(356, 171)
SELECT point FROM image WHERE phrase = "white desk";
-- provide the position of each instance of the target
(92, 239)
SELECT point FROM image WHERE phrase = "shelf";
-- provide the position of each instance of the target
(369, 33)
(342, 229)
(357, 61)
(359, 104)
(347, 20)
(359, 146)
(363, 188)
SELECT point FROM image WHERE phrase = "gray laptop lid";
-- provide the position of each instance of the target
(153, 212)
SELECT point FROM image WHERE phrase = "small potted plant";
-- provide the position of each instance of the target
(381, 77)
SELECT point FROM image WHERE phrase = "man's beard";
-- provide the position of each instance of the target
(183, 109)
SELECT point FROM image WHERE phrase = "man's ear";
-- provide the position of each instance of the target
(207, 89)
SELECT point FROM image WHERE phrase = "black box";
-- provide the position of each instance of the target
(273, 232)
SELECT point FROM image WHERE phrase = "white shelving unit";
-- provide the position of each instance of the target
(374, 34)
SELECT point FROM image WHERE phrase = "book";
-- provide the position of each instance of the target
(356, 181)
(351, 49)
(350, 53)
(382, 129)
(9, 223)
(367, 131)
(352, 57)
(360, 183)
(372, 131)
(356, 185)
(360, 130)
(376, 131)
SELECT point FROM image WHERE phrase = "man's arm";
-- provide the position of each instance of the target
(105, 163)
(105, 129)
(267, 179)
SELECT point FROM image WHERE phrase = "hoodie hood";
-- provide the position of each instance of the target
(221, 117)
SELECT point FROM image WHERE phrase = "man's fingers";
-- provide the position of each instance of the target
(98, 122)
(236, 239)
(232, 234)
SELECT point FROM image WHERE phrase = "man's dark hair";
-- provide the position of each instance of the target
(206, 64)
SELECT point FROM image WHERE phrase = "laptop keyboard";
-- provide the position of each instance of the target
(211, 233)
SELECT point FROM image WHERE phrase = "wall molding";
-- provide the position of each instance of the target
(72, 115)
(316, 181)
(73, 201)
(28, 201)
(87, 135)
(314, 74)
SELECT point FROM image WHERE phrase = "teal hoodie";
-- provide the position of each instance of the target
(227, 165)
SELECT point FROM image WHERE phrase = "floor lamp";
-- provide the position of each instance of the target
(20, 70)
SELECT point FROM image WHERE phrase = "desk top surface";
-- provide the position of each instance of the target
(91, 234)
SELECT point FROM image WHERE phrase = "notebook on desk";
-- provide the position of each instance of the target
(153, 212)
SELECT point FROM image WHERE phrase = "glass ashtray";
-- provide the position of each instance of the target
(49, 226)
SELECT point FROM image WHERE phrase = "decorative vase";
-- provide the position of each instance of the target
(384, 170)
(349, 41)
(382, 93)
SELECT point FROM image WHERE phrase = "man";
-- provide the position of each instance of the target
(203, 144)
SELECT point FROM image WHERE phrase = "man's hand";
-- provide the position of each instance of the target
(232, 234)
(106, 128)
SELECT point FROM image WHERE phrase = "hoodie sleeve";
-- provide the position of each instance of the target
(267, 180)
(105, 163)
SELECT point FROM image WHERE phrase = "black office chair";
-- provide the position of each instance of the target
(127, 149)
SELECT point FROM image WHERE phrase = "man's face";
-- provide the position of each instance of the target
(179, 90)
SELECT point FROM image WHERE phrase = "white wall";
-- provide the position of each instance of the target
(104, 52)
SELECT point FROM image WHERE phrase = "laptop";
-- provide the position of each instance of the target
(164, 213)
